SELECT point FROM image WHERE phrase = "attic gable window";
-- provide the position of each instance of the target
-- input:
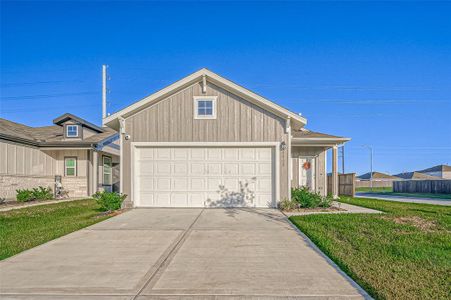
(205, 107)
(72, 130)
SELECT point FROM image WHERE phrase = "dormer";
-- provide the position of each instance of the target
(75, 128)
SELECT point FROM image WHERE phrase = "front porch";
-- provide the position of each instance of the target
(309, 161)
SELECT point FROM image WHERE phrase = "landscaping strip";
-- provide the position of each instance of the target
(25, 228)
(404, 253)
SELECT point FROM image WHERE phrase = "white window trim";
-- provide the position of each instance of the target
(75, 166)
(103, 170)
(67, 131)
(205, 98)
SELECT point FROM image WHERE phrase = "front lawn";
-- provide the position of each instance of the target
(26, 228)
(402, 254)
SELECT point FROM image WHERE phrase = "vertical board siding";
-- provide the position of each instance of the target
(16, 159)
(172, 120)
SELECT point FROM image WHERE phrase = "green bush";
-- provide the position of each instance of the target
(109, 201)
(309, 199)
(286, 204)
(24, 195)
(39, 193)
(42, 193)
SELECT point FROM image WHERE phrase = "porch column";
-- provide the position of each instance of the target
(95, 170)
(335, 172)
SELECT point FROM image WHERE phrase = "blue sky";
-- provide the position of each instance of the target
(379, 73)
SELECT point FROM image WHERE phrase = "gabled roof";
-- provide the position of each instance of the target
(113, 120)
(378, 175)
(439, 168)
(416, 175)
(67, 116)
(48, 136)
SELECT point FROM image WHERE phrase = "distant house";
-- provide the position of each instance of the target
(377, 176)
(442, 171)
(83, 155)
(416, 176)
(379, 180)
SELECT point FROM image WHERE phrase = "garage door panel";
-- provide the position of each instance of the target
(246, 154)
(162, 168)
(180, 168)
(197, 184)
(205, 176)
(162, 184)
(247, 168)
(197, 169)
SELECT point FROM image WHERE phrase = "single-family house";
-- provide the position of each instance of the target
(416, 176)
(442, 171)
(83, 156)
(205, 141)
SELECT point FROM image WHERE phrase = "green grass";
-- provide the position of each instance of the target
(402, 254)
(375, 189)
(25, 228)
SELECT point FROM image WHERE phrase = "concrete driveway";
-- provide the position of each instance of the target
(177, 253)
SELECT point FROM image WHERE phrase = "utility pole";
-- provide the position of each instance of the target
(371, 165)
(104, 79)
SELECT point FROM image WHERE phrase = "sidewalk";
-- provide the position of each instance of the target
(404, 199)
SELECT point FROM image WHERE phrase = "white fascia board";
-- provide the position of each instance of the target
(112, 120)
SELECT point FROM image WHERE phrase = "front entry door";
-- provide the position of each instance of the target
(307, 174)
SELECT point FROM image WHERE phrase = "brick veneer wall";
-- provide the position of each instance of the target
(10, 183)
(76, 186)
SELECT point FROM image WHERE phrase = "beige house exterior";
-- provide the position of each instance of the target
(205, 141)
(84, 155)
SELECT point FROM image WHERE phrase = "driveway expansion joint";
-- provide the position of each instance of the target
(167, 257)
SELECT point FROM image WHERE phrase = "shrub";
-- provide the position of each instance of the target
(286, 204)
(24, 195)
(109, 201)
(309, 199)
(42, 193)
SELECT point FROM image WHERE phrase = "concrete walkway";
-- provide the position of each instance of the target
(178, 253)
(345, 209)
(404, 199)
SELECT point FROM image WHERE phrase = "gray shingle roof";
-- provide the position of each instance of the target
(47, 135)
(439, 168)
(378, 175)
(304, 133)
(416, 175)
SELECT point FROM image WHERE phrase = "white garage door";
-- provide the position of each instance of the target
(204, 177)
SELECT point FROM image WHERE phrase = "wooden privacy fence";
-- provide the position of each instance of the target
(422, 186)
(346, 184)
(376, 183)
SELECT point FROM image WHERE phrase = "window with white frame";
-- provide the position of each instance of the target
(205, 107)
(72, 130)
(107, 170)
(70, 166)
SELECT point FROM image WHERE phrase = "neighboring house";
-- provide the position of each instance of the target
(205, 141)
(442, 171)
(377, 176)
(84, 155)
(416, 176)
(379, 179)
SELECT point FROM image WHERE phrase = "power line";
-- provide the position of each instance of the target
(47, 96)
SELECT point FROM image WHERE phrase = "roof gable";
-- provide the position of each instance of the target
(203, 74)
(66, 117)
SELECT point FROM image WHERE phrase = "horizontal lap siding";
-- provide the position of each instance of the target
(172, 120)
